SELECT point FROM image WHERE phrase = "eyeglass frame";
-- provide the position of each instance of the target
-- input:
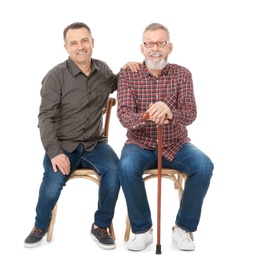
(159, 44)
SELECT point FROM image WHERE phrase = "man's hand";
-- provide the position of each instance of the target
(61, 162)
(160, 113)
(133, 66)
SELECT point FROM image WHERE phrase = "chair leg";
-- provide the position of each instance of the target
(51, 224)
(128, 229)
(112, 232)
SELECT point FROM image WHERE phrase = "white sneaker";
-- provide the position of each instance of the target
(140, 241)
(182, 239)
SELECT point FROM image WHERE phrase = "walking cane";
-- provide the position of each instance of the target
(158, 245)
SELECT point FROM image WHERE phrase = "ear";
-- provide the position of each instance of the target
(142, 48)
(65, 46)
(92, 42)
(170, 47)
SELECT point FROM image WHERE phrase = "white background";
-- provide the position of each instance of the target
(213, 39)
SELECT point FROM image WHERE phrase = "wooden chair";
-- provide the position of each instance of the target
(177, 177)
(88, 174)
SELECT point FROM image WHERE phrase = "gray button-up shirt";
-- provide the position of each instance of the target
(71, 106)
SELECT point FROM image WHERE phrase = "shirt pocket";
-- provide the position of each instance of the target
(171, 99)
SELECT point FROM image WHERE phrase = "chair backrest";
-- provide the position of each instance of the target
(107, 112)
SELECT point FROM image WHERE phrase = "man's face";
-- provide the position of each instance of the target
(79, 45)
(156, 55)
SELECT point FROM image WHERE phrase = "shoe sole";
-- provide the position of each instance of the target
(183, 249)
(140, 249)
(31, 245)
(102, 245)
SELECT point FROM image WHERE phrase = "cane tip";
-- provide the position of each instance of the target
(158, 249)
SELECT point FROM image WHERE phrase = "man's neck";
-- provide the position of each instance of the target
(85, 67)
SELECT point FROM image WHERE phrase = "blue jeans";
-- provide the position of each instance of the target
(189, 160)
(104, 161)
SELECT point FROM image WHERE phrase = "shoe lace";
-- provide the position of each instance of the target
(104, 232)
(36, 231)
(184, 234)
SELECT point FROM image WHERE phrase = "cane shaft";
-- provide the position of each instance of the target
(158, 248)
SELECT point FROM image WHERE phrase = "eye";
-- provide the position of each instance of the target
(148, 44)
(86, 41)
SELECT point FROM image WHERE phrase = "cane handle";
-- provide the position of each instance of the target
(145, 116)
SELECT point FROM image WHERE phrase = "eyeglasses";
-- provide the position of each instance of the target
(159, 44)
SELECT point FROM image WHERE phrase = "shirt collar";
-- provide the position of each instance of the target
(75, 70)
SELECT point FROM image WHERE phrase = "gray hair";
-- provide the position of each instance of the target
(156, 26)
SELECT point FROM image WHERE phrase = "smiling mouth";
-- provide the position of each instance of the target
(155, 54)
(81, 52)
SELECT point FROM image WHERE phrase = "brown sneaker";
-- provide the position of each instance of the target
(34, 238)
(102, 237)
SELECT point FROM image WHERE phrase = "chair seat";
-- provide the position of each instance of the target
(83, 172)
(86, 174)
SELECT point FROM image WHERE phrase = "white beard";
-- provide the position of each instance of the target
(156, 64)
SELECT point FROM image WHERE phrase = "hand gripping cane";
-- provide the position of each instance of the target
(158, 246)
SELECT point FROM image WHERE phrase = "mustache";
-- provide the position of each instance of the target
(155, 54)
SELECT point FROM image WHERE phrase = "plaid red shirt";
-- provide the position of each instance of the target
(136, 90)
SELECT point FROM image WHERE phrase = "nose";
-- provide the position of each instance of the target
(155, 47)
(80, 45)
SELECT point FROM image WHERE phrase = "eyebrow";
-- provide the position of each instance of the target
(86, 38)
